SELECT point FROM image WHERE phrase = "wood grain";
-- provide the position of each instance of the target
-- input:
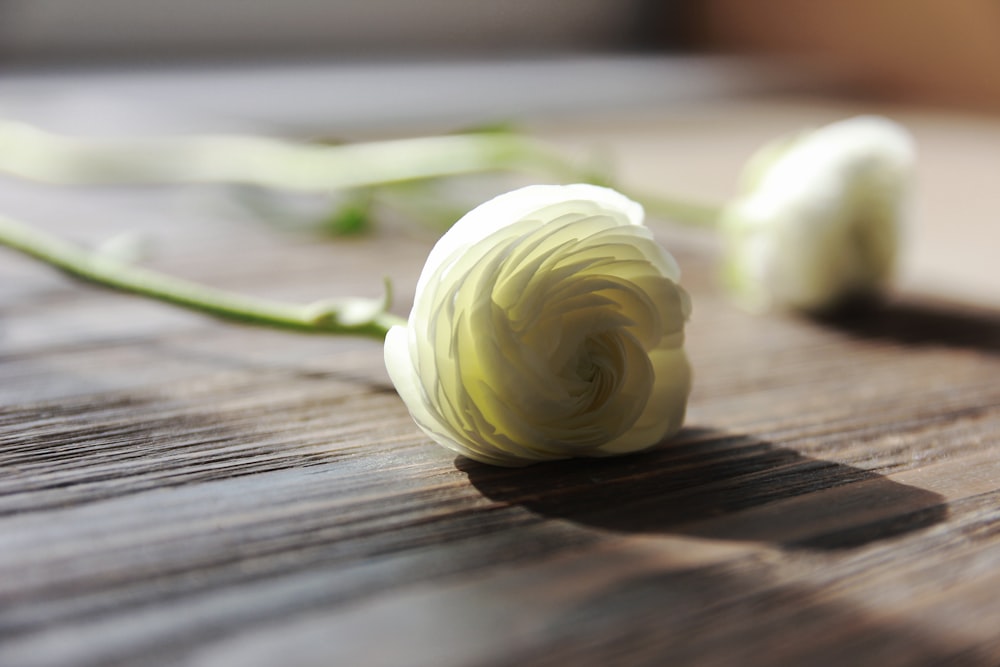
(178, 491)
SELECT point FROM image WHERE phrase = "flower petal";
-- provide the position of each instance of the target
(546, 325)
(822, 221)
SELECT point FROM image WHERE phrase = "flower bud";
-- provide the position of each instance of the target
(547, 324)
(819, 223)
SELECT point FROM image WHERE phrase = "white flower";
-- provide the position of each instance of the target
(820, 222)
(547, 324)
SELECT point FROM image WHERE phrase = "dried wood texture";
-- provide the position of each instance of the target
(178, 491)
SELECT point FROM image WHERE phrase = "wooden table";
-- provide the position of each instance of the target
(174, 490)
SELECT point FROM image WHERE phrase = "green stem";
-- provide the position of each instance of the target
(674, 209)
(29, 152)
(689, 213)
(354, 317)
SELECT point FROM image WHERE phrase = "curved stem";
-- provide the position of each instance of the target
(354, 317)
(686, 212)
(674, 209)
(29, 152)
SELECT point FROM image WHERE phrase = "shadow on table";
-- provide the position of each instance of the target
(924, 322)
(710, 484)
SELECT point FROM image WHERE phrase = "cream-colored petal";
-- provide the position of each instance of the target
(822, 222)
(664, 412)
(509, 208)
(529, 336)
(407, 382)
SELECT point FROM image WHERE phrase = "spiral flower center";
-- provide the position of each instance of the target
(597, 373)
(586, 369)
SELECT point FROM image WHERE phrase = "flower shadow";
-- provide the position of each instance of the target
(715, 485)
(923, 322)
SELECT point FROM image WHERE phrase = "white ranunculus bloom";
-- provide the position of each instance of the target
(819, 224)
(547, 324)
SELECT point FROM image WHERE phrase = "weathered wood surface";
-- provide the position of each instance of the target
(178, 491)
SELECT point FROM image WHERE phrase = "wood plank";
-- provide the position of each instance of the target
(179, 491)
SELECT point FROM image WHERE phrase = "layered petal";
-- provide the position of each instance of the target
(547, 324)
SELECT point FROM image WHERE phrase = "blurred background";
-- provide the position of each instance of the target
(908, 50)
(673, 95)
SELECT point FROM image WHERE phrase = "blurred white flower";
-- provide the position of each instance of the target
(547, 324)
(820, 221)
